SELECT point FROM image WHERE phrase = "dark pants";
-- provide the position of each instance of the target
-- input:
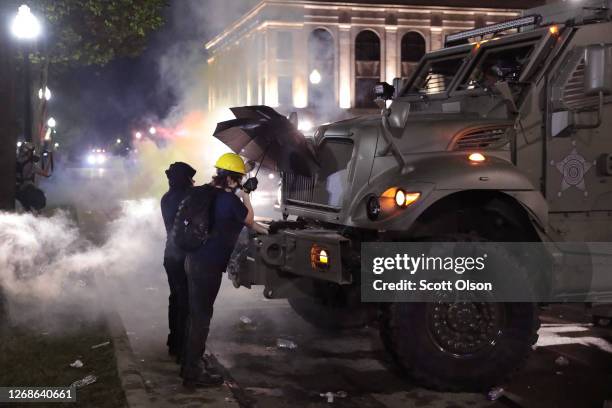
(31, 197)
(203, 282)
(178, 303)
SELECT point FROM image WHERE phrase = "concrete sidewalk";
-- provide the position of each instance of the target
(150, 377)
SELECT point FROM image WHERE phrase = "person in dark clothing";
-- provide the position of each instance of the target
(180, 180)
(31, 198)
(205, 266)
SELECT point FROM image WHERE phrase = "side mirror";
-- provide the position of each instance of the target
(384, 91)
(398, 86)
(293, 118)
(598, 74)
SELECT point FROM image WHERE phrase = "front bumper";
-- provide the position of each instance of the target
(282, 261)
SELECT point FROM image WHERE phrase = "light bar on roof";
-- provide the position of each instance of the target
(495, 28)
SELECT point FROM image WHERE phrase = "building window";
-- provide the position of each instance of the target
(367, 68)
(284, 45)
(321, 71)
(413, 49)
(285, 90)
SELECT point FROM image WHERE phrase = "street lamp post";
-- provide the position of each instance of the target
(26, 27)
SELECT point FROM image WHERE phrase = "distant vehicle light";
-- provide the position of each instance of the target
(305, 125)
(100, 159)
(91, 159)
(476, 157)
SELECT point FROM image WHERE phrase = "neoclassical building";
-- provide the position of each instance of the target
(295, 54)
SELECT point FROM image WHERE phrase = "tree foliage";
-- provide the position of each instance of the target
(87, 32)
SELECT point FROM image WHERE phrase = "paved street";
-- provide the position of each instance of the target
(350, 364)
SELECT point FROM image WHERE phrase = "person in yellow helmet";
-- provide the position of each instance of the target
(204, 267)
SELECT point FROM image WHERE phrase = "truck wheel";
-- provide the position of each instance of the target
(331, 317)
(467, 346)
(460, 346)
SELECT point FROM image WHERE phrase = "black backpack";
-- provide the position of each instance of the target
(192, 223)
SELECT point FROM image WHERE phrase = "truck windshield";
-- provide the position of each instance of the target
(436, 74)
(497, 64)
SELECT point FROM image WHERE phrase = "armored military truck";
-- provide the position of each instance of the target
(504, 135)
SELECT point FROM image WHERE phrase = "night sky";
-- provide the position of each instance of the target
(95, 105)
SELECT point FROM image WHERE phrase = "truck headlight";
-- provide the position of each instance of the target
(319, 257)
(404, 199)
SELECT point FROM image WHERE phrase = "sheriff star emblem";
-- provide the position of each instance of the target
(573, 168)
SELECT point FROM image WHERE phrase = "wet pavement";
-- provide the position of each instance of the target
(351, 366)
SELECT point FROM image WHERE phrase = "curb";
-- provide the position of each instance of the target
(131, 380)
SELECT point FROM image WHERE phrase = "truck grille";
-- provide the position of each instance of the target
(326, 189)
(298, 188)
(574, 97)
(482, 139)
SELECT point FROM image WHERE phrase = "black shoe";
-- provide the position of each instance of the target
(203, 380)
(209, 366)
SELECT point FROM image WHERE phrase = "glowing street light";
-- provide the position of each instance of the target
(315, 77)
(118, 141)
(25, 25)
(51, 122)
(152, 130)
(56, 145)
(138, 135)
(44, 94)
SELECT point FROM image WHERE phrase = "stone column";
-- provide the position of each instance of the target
(436, 40)
(271, 91)
(345, 96)
(300, 67)
(391, 59)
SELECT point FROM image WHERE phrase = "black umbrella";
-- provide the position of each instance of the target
(261, 134)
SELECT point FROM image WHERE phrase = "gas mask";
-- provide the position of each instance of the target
(250, 185)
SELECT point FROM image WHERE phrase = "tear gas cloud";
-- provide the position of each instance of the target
(51, 259)
(46, 261)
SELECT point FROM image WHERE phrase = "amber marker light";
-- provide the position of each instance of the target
(554, 30)
(319, 258)
(476, 158)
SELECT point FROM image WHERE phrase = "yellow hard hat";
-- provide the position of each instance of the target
(231, 162)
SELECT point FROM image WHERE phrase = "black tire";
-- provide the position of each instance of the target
(404, 333)
(463, 346)
(332, 317)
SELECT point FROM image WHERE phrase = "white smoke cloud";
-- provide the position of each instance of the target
(46, 261)
(60, 258)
